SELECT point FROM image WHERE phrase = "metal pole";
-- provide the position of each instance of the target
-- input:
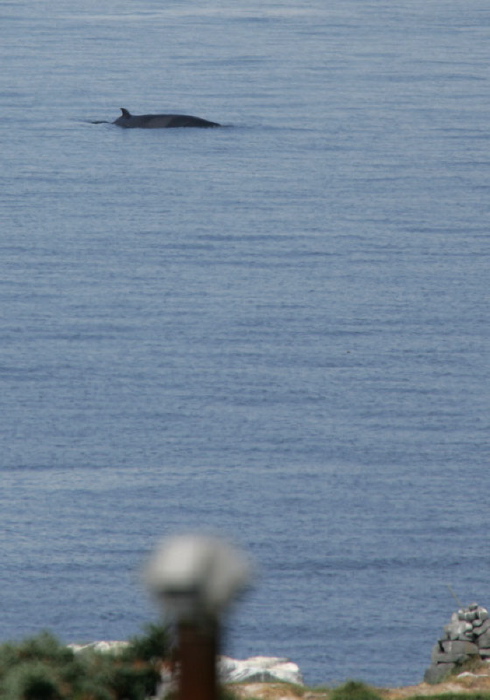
(197, 654)
(451, 590)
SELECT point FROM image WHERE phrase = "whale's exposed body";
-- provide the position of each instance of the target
(160, 121)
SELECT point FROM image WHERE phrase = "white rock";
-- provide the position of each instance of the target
(256, 669)
(104, 647)
(259, 669)
(467, 674)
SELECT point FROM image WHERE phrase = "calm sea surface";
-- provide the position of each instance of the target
(277, 330)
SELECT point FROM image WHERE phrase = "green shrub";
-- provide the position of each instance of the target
(354, 690)
(43, 648)
(133, 683)
(153, 645)
(32, 680)
(43, 669)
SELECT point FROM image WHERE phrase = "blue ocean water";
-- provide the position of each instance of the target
(277, 330)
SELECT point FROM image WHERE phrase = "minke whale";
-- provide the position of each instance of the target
(160, 121)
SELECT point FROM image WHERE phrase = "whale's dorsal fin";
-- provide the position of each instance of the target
(125, 113)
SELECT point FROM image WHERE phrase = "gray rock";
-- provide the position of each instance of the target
(467, 635)
(449, 651)
(458, 629)
(483, 640)
(437, 655)
(485, 625)
(438, 672)
(458, 646)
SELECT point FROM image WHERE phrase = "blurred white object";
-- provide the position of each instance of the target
(196, 575)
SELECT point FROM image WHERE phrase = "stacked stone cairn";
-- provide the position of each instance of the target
(465, 637)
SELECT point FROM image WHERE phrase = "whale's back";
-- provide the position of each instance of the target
(161, 121)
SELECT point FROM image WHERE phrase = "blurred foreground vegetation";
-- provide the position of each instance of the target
(42, 668)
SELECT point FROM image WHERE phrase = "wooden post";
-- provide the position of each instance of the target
(197, 654)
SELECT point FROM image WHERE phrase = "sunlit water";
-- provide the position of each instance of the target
(277, 330)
